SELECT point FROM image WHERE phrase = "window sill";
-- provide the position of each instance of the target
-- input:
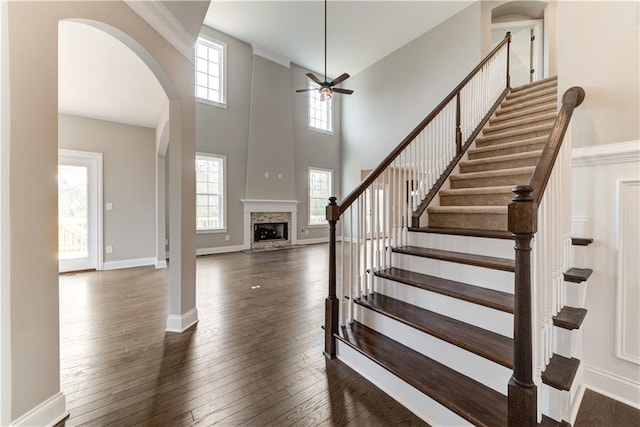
(318, 225)
(326, 132)
(211, 103)
(216, 231)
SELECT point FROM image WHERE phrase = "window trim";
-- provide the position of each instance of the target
(309, 169)
(310, 94)
(208, 40)
(223, 210)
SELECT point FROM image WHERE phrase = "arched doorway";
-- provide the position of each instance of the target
(33, 319)
(526, 22)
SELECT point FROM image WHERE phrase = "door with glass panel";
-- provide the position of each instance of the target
(78, 243)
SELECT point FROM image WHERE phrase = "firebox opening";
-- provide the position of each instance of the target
(270, 231)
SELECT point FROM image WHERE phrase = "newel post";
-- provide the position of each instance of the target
(458, 131)
(522, 393)
(331, 303)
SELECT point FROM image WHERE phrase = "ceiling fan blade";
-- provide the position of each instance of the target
(306, 90)
(314, 78)
(339, 79)
(345, 91)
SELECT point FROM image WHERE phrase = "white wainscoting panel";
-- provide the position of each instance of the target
(628, 275)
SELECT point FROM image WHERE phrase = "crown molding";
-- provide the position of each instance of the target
(160, 19)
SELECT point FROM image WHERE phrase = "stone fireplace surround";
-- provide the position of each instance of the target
(282, 208)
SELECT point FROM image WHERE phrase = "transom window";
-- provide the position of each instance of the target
(319, 111)
(210, 192)
(210, 70)
(319, 193)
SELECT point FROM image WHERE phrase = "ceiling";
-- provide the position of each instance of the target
(99, 77)
(359, 32)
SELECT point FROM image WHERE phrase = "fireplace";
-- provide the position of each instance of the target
(270, 231)
(269, 223)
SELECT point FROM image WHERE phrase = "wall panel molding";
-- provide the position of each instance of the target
(628, 282)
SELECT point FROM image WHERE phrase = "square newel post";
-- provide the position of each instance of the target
(331, 303)
(522, 393)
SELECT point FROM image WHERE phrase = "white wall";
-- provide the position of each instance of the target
(599, 49)
(395, 94)
(128, 182)
(610, 217)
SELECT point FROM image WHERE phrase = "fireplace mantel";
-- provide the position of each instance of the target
(259, 205)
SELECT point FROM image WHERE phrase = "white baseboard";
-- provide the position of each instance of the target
(161, 264)
(180, 323)
(613, 386)
(48, 413)
(312, 241)
(219, 250)
(129, 263)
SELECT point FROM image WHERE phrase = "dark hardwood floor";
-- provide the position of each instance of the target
(254, 359)
(597, 410)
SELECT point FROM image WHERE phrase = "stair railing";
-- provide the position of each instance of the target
(378, 213)
(543, 209)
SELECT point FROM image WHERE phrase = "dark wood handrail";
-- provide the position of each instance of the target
(523, 223)
(572, 98)
(375, 173)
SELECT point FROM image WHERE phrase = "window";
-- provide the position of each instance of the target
(319, 193)
(210, 71)
(210, 192)
(319, 111)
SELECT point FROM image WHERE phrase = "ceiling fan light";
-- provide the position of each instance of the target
(325, 93)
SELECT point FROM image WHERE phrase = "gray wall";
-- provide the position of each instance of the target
(225, 131)
(313, 149)
(598, 49)
(397, 92)
(128, 180)
(270, 158)
(263, 129)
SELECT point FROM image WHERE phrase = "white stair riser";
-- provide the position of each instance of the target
(560, 404)
(421, 405)
(575, 294)
(483, 317)
(552, 402)
(482, 370)
(472, 275)
(502, 248)
(567, 343)
(581, 257)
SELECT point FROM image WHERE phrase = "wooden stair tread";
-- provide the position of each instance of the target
(469, 209)
(581, 241)
(550, 422)
(491, 234)
(475, 294)
(459, 257)
(466, 397)
(570, 318)
(487, 344)
(560, 372)
(577, 275)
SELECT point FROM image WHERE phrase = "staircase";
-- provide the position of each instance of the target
(434, 326)
(504, 156)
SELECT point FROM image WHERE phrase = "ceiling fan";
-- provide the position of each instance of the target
(326, 88)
